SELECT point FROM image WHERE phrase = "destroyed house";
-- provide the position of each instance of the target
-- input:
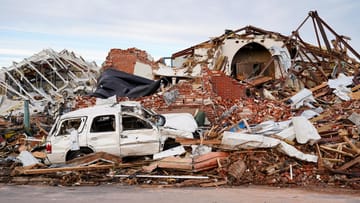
(256, 56)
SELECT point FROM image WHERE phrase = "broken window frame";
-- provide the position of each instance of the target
(103, 123)
(135, 123)
(64, 125)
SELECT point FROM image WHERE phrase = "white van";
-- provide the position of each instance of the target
(123, 129)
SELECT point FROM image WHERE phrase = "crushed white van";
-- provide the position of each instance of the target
(123, 129)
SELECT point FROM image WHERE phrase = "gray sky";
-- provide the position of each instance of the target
(91, 28)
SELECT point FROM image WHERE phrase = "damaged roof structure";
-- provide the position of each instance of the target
(255, 56)
(48, 76)
(272, 109)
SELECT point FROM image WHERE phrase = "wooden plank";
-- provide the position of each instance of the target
(176, 163)
(337, 151)
(162, 176)
(355, 88)
(93, 157)
(320, 94)
(352, 145)
(186, 141)
(321, 160)
(355, 95)
(325, 128)
(259, 80)
(349, 164)
(199, 163)
(322, 85)
(54, 170)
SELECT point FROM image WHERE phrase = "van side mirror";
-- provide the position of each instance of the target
(159, 120)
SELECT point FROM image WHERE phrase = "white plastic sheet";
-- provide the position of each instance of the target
(287, 133)
(341, 80)
(27, 159)
(246, 141)
(181, 121)
(270, 127)
(339, 84)
(170, 152)
(303, 97)
(293, 152)
(304, 130)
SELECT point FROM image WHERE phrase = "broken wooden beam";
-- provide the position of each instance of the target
(186, 141)
(337, 151)
(161, 176)
(20, 170)
(349, 164)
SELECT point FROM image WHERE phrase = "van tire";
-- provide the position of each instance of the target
(75, 154)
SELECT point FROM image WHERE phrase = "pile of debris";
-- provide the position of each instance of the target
(271, 109)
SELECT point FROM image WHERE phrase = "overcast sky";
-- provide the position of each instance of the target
(91, 28)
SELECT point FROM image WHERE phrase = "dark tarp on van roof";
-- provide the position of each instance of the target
(114, 82)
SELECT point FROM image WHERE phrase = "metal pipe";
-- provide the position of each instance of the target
(26, 117)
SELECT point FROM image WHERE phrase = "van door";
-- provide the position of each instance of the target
(103, 135)
(60, 139)
(138, 136)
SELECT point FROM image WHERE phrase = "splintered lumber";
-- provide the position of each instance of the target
(322, 85)
(320, 161)
(355, 94)
(357, 87)
(335, 150)
(196, 164)
(237, 169)
(94, 157)
(344, 134)
(161, 176)
(208, 161)
(325, 129)
(187, 141)
(259, 80)
(349, 164)
(352, 145)
(176, 163)
(55, 170)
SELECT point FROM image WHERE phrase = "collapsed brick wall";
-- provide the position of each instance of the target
(188, 100)
(209, 94)
(125, 60)
(213, 86)
(226, 87)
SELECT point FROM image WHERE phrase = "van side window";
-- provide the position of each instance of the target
(72, 123)
(134, 123)
(104, 123)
